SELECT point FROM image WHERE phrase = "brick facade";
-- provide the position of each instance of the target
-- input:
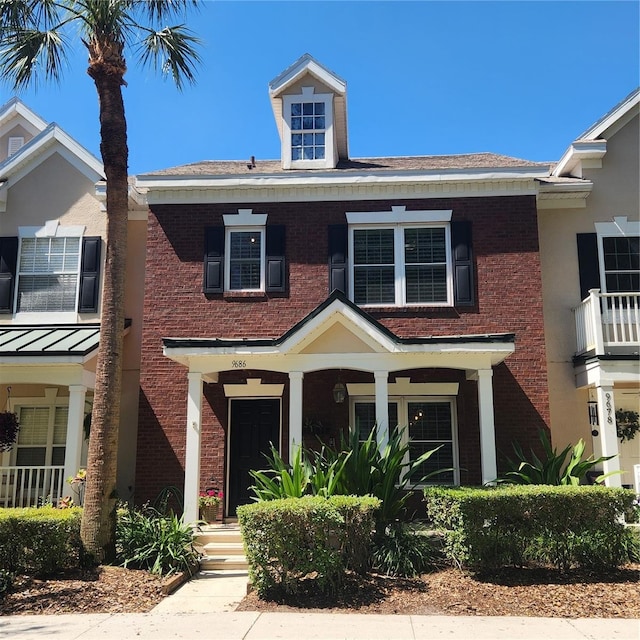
(508, 300)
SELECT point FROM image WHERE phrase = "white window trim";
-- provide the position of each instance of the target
(400, 264)
(51, 400)
(308, 95)
(621, 227)
(51, 229)
(227, 257)
(403, 422)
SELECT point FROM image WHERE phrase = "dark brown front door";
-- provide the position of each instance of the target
(255, 425)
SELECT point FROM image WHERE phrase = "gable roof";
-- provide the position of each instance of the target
(592, 144)
(14, 109)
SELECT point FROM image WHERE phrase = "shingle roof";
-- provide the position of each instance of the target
(406, 163)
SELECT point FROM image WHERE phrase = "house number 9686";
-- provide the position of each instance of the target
(239, 364)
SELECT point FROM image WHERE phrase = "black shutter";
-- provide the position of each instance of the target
(462, 263)
(89, 275)
(275, 243)
(8, 263)
(213, 260)
(338, 243)
(588, 263)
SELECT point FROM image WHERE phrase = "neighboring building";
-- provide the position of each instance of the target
(589, 218)
(52, 240)
(287, 301)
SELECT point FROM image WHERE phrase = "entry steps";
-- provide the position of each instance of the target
(221, 547)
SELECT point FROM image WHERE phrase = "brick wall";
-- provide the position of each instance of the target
(508, 299)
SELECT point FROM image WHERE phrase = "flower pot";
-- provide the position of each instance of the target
(210, 513)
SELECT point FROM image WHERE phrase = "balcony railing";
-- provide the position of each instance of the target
(607, 322)
(31, 486)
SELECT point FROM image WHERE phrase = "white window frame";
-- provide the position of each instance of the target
(307, 95)
(51, 229)
(399, 219)
(619, 228)
(227, 257)
(51, 401)
(402, 403)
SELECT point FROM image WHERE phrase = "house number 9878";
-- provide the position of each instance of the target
(239, 364)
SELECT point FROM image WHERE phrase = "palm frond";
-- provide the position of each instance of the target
(29, 54)
(172, 50)
(159, 10)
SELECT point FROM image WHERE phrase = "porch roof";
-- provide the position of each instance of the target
(341, 332)
(49, 342)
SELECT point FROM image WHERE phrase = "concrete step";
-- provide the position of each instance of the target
(219, 534)
(224, 563)
(223, 548)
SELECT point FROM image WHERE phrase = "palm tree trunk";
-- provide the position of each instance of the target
(99, 517)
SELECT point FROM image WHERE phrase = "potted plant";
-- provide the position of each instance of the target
(9, 427)
(209, 503)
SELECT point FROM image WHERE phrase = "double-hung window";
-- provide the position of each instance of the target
(246, 259)
(426, 424)
(48, 274)
(621, 263)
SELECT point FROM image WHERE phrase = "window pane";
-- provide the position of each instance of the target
(318, 108)
(296, 124)
(441, 459)
(31, 456)
(622, 264)
(307, 109)
(296, 109)
(373, 246)
(374, 285)
(425, 245)
(307, 122)
(57, 456)
(365, 416)
(245, 260)
(430, 421)
(34, 425)
(426, 284)
(60, 425)
(47, 293)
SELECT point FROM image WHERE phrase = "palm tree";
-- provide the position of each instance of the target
(35, 37)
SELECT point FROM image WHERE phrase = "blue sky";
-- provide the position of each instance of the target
(518, 78)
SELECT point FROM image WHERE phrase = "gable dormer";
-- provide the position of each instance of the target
(310, 107)
(18, 125)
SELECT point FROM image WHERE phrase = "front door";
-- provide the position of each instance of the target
(255, 425)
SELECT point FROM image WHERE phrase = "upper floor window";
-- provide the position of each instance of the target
(621, 258)
(48, 274)
(308, 130)
(401, 265)
(246, 260)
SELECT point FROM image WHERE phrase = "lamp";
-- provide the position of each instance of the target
(339, 392)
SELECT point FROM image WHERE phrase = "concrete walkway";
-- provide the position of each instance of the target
(303, 626)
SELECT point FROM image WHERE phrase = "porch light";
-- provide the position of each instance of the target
(339, 392)
(593, 416)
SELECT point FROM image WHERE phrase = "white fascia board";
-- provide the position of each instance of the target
(15, 107)
(611, 118)
(317, 178)
(43, 146)
(306, 64)
(579, 151)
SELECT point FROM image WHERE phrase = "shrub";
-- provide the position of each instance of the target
(486, 528)
(553, 468)
(309, 541)
(147, 539)
(401, 550)
(40, 541)
(6, 582)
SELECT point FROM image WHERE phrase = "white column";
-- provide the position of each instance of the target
(192, 449)
(607, 432)
(487, 426)
(382, 408)
(75, 433)
(295, 411)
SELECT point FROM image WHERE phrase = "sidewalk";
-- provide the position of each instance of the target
(302, 626)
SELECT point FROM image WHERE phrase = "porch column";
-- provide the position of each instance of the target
(192, 449)
(607, 432)
(382, 408)
(487, 426)
(295, 411)
(75, 434)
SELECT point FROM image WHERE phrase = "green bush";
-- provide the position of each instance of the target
(487, 528)
(308, 541)
(6, 582)
(402, 550)
(40, 541)
(147, 539)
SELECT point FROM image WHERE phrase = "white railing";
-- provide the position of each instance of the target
(606, 320)
(31, 486)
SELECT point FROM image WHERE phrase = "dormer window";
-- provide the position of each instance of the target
(308, 121)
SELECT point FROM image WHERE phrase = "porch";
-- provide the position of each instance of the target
(22, 486)
(608, 323)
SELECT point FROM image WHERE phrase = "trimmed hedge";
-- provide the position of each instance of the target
(40, 541)
(293, 541)
(487, 528)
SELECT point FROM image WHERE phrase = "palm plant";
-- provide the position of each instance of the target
(35, 38)
(552, 468)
